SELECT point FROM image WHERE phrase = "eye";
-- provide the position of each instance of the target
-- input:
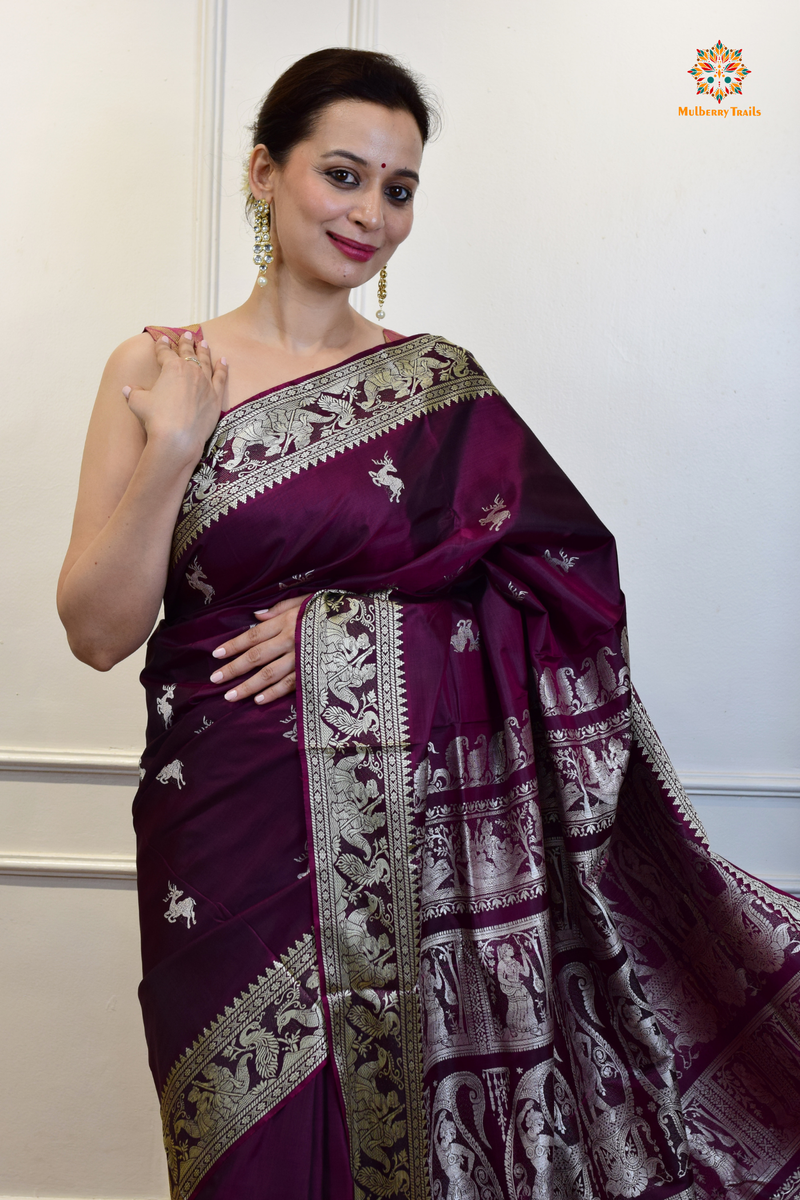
(342, 175)
(399, 193)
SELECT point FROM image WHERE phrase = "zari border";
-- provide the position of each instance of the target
(249, 1060)
(790, 1189)
(321, 417)
(360, 796)
(644, 733)
(656, 756)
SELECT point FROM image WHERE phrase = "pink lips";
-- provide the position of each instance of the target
(355, 250)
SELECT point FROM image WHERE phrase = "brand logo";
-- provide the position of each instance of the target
(719, 72)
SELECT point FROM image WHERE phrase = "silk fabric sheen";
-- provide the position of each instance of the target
(443, 924)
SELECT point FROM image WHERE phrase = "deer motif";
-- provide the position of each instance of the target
(465, 636)
(496, 512)
(173, 770)
(163, 703)
(386, 478)
(179, 909)
(195, 577)
(564, 562)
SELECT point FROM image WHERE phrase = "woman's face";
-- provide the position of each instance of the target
(343, 201)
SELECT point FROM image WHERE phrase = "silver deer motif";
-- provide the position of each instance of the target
(173, 770)
(387, 477)
(163, 703)
(496, 512)
(179, 909)
(564, 562)
(195, 577)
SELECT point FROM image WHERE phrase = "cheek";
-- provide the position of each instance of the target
(303, 210)
(398, 225)
(320, 203)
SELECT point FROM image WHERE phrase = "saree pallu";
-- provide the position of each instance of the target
(443, 924)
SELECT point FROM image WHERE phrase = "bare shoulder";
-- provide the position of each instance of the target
(133, 362)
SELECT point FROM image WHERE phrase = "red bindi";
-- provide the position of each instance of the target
(383, 164)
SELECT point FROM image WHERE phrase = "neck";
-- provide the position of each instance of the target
(297, 318)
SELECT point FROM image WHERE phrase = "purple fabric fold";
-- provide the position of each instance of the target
(449, 905)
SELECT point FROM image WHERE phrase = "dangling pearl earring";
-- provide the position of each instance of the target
(380, 314)
(262, 254)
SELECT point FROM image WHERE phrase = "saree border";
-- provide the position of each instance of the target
(643, 731)
(304, 423)
(366, 879)
(709, 1103)
(657, 758)
(266, 1067)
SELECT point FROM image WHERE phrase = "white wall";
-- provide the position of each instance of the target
(625, 275)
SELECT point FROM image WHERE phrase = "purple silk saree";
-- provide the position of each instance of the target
(443, 924)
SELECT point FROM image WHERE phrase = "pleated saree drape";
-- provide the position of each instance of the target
(443, 924)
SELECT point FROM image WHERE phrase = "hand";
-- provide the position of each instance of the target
(184, 403)
(271, 643)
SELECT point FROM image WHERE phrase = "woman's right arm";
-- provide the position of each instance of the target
(140, 453)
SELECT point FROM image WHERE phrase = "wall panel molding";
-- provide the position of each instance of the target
(362, 25)
(744, 785)
(41, 761)
(56, 766)
(209, 106)
(362, 34)
(51, 866)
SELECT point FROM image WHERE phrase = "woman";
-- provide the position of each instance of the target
(462, 781)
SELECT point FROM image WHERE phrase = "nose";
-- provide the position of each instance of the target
(368, 211)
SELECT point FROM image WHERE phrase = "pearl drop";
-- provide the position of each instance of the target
(262, 280)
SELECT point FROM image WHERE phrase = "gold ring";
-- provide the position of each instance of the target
(191, 358)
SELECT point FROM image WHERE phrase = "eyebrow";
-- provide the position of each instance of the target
(404, 172)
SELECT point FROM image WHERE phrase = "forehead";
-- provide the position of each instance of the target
(369, 130)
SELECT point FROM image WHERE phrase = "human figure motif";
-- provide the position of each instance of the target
(521, 1017)
(538, 1146)
(432, 983)
(457, 1161)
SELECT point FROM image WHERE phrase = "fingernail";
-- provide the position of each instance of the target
(216, 677)
(224, 362)
(231, 695)
(204, 344)
(259, 699)
(165, 339)
(188, 335)
(126, 391)
(261, 612)
(219, 652)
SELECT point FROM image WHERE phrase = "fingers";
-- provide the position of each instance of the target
(219, 377)
(197, 354)
(269, 646)
(164, 351)
(257, 656)
(272, 681)
(277, 610)
(281, 688)
(272, 622)
(249, 641)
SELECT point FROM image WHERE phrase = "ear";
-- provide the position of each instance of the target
(262, 173)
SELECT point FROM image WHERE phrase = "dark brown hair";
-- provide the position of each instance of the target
(295, 101)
